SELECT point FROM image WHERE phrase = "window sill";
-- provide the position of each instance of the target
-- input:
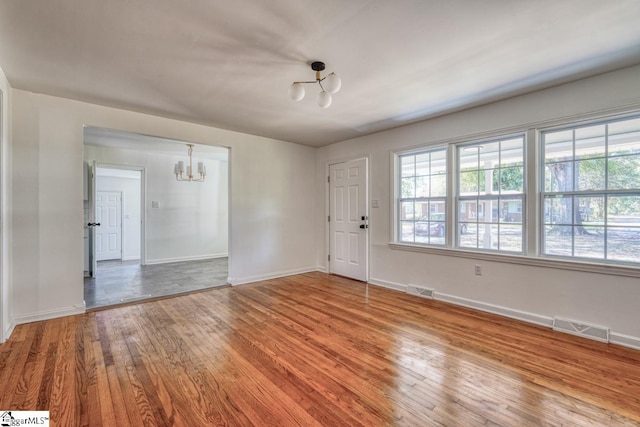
(589, 267)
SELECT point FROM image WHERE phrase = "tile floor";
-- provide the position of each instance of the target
(119, 282)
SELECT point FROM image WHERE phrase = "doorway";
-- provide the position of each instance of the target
(115, 221)
(349, 219)
(182, 226)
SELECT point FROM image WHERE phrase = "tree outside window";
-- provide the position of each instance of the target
(591, 197)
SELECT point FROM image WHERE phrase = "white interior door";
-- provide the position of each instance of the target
(109, 232)
(348, 219)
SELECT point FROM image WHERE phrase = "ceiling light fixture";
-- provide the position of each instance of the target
(329, 84)
(178, 169)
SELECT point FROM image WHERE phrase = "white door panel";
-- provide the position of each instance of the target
(348, 224)
(109, 233)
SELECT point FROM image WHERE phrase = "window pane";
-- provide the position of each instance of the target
(590, 142)
(421, 209)
(623, 243)
(511, 211)
(591, 174)
(511, 238)
(590, 211)
(469, 239)
(422, 164)
(512, 180)
(512, 152)
(623, 210)
(559, 176)
(558, 210)
(438, 160)
(406, 231)
(624, 137)
(488, 210)
(558, 241)
(469, 157)
(438, 185)
(489, 155)
(558, 146)
(408, 188)
(624, 172)
(407, 165)
(487, 236)
(422, 186)
(422, 228)
(406, 211)
(469, 182)
(589, 242)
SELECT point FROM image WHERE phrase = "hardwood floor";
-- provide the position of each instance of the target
(313, 350)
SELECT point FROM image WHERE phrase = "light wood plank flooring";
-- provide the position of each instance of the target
(313, 350)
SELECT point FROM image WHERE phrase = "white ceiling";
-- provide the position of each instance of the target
(229, 64)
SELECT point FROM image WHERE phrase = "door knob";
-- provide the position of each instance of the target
(364, 226)
(93, 224)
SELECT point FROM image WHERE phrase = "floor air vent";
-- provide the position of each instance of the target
(598, 333)
(420, 291)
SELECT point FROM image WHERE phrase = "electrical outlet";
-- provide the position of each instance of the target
(478, 270)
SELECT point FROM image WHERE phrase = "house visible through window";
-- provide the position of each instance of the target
(423, 193)
(491, 195)
(584, 190)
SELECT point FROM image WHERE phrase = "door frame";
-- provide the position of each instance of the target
(143, 211)
(4, 264)
(327, 210)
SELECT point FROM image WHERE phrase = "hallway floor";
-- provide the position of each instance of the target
(119, 282)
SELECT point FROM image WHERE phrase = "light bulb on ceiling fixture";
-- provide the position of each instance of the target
(296, 91)
(328, 85)
(332, 83)
(324, 99)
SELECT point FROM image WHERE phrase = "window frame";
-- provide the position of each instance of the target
(458, 197)
(605, 192)
(398, 199)
(533, 207)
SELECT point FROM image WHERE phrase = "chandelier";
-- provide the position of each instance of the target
(329, 84)
(178, 169)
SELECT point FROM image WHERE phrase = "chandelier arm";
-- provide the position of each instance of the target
(321, 87)
(314, 81)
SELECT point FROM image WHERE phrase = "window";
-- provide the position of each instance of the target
(591, 191)
(423, 197)
(490, 198)
(583, 186)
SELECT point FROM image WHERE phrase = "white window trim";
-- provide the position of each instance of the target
(532, 241)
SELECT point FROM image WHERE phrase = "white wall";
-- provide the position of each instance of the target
(6, 314)
(131, 212)
(533, 293)
(272, 202)
(191, 221)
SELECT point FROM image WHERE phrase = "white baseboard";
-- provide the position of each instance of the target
(268, 276)
(536, 319)
(496, 309)
(321, 269)
(50, 314)
(4, 337)
(186, 258)
(130, 258)
(388, 285)
(624, 340)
